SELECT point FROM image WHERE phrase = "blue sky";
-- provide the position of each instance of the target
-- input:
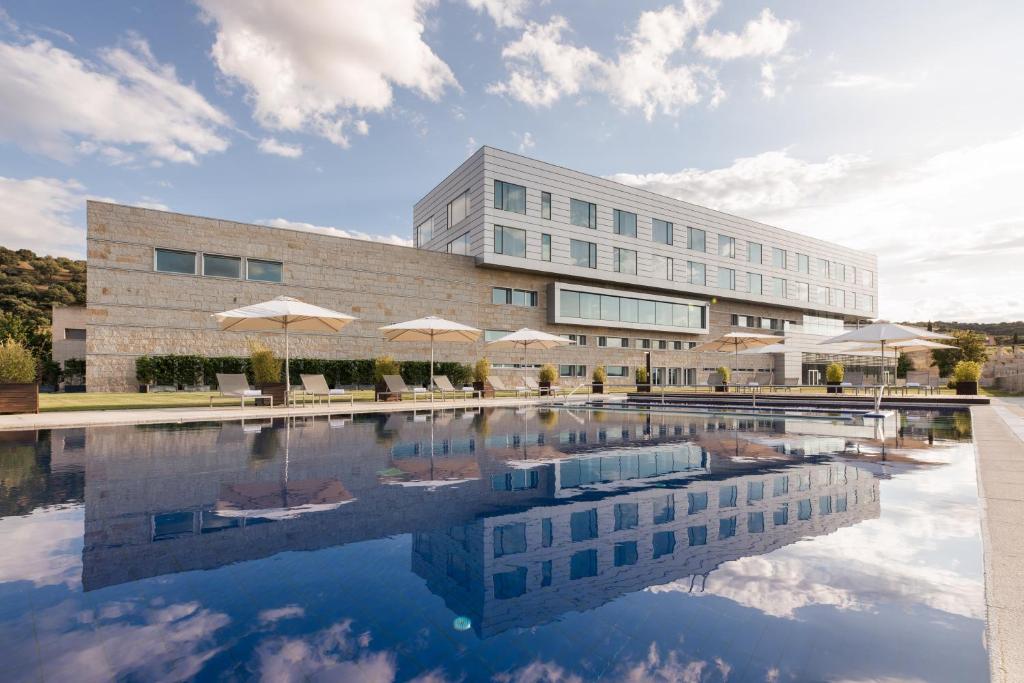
(895, 127)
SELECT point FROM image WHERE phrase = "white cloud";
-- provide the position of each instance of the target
(319, 65)
(866, 81)
(333, 654)
(337, 232)
(526, 142)
(44, 548)
(505, 13)
(767, 81)
(471, 146)
(42, 214)
(649, 72)
(281, 149)
(55, 103)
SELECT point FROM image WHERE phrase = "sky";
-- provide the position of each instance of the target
(892, 127)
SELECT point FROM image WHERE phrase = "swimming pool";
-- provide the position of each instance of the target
(496, 544)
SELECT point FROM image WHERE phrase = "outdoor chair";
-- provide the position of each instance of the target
(316, 386)
(715, 380)
(396, 387)
(499, 385)
(532, 385)
(237, 386)
(444, 385)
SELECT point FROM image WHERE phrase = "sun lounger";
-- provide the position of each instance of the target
(444, 385)
(499, 385)
(396, 387)
(316, 386)
(237, 386)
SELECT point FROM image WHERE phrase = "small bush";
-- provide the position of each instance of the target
(266, 367)
(385, 365)
(17, 366)
(600, 375)
(482, 370)
(144, 370)
(547, 373)
(967, 371)
(641, 375)
(725, 372)
(834, 372)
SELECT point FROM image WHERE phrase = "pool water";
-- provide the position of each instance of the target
(494, 545)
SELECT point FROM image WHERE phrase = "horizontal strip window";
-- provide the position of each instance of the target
(172, 261)
(495, 335)
(264, 271)
(580, 339)
(509, 241)
(509, 197)
(514, 297)
(222, 266)
(617, 370)
(216, 265)
(613, 342)
(608, 308)
(583, 214)
(572, 370)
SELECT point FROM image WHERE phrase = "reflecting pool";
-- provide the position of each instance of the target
(497, 544)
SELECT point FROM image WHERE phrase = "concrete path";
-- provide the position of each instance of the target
(999, 441)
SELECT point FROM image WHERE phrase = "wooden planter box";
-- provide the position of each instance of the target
(485, 389)
(19, 398)
(966, 388)
(643, 387)
(275, 389)
(545, 388)
(381, 393)
(723, 387)
(597, 388)
(834, 388)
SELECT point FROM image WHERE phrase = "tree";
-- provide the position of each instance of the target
(967, 345)
(904, 365)
(930, 326)
(1016, 341)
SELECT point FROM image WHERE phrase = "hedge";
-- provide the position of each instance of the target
(186, 370)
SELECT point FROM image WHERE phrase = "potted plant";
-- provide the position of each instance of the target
(642, 381)
(74, 375)
(385, 365)
(481, 371)
(600, 376)
(834, 373)
(144, 373)
(546, 377)
(19, 390)
(266, 371)
(966, 374)
(725, 373)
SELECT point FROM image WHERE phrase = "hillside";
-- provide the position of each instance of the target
(1003, 332)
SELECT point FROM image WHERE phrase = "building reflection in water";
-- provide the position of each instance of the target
(516, 517)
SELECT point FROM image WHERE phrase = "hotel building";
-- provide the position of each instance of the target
(503, 242)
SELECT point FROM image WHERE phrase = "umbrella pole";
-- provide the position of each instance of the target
(430, 387)
(287, 369)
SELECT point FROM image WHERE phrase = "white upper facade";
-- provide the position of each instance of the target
(511, 211)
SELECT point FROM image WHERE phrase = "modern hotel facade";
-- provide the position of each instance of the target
(503, 242)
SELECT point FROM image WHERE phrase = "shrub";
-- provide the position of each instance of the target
(834, 372)
(967, 371)
(725, 372)
(547, 373)
(482, 370)
(144, 370)
(266, 367)
(600, 375)
(163, 370)
(385, 365)
(74, 369)
(17, 366)
(641, 375)
(188, 371)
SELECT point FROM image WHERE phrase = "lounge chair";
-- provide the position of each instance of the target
(237, 386)
(499, 385)
(444, 385)
(316, 386)
(396, 387)
(716, 380)
(531, 385)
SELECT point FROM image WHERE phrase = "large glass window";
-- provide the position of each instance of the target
(459, 245)
(583, 525)
(583, 564)
(754, 283)
(661, 231)
(698, 274)
(509, 241)
(625, 222)
(458, 208)
(778, 257)
(545, 205)
(515, 297)
(509, 197)
(591, 306)
(803, 291)
(424, 231)
(803, 263)
(583, 254)
(664, 543)
(569, 303)
(510, 584)
(661, 266)
(171, 261)
(610, 308)
(583, 214)
(779, 287)
(509, 539)
(625, 261)
(696, 239)
(264, 271)
(222, 266)
(545, 247)
(726, 278)
(727, 246)
(754, 252)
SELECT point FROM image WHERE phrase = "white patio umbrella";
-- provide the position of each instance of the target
(910, 345)
(884, 333)
(736, 342)
(431, 328)
(526, 338)
(287, 314)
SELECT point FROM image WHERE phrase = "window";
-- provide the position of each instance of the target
(662, 266)
(510, 584)
(727, 246)
(662, 345)
(755, 522)
(697, 535)
(851, 275)
(583, 564)
(868, 302)
(867, 278)
(625, 261)
(755, 491)
(741, 320)
(572, 370)
(821, 267)
(515, 297)
(509, 241)
(580, 339)
(171, 261)
(264, 271)
(643, 343)
(583, 254)
(545, 247)
(726, 278)
(617, 371)
(664, 509)
(583, 525)
(778, 257)
(696, 502)
(424, 231)
(457, 209)
(664, 543)
(753, 252)
(613, 342)
(509, 539)
(583, 214)
(173, 525)
(779, 287)
(74, 334)
(727, 497)
(754, 283)
(698, 274)
(838, 298)
(821, 294)
(625, 222)
(459, 245)
(781, 516)
(222, 266)
(780, 486)
(726, 527)
(803, 263)
(695, 239)
(626, 554)
(837, 271)
(803, 291)
(546, 535)
(545, 205)
(509, 197)
(661, 231)
(494, 335)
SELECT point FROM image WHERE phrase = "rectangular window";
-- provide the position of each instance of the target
(510, 584)
(459, 245)
(583, 564)
(509, 539)
(664, 509)
(867, 278)
(643, 343)
(509, 241)
(625, 261)
(851, 275)
(222, 266)
(458, 208)
(589, 306)
(583, 254)
(698, 274)
(583, 214)
(515, 297)
(753, 252)
(171, 261)
(754, 283)
(778, 257)
(74, 334)
(618, 371)
(494, 335)
(803, 291)
(661, 231)
(727, 246)
(424, 231)
(821, 267)
(569, 303)
(625, 223)
(579, 339)
(545, 205)
(663, 542)
(626, 554)
(727, 496)
(726, 278)
(662, 267)
(509, 197)
(610, 308)
(696, 502)
(837, 271)
(545, 247)
(583, 525)
(803, 263)
(779, 287)
(695, 239)
(264, 271)
(838, 298)
(821, 295)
